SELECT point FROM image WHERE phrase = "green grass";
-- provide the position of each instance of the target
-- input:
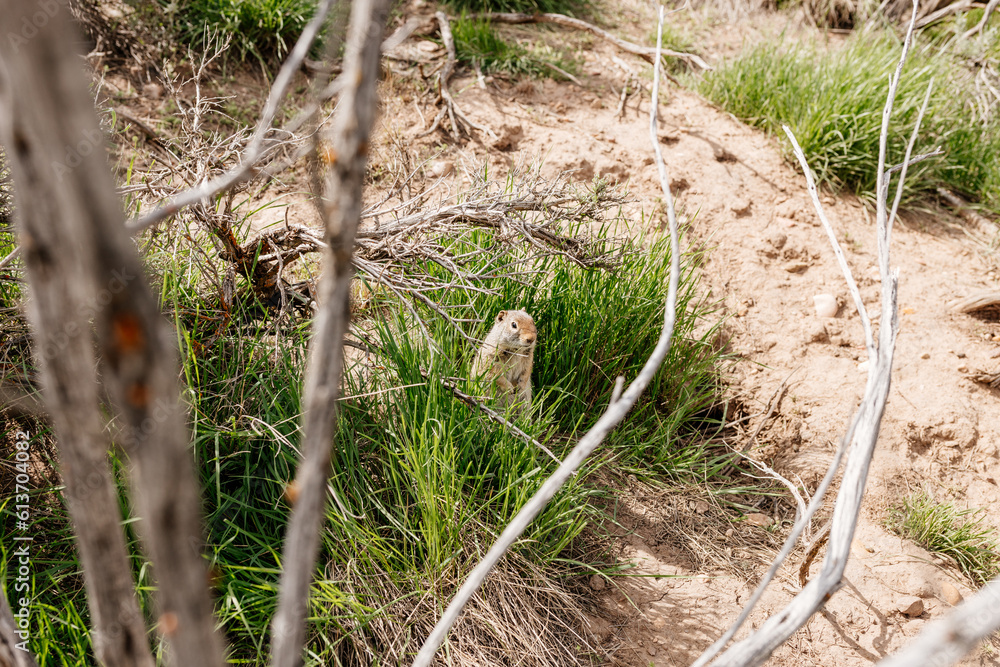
(264, 29)
(478, 44)
(943, 529)
(569, 7)
(833, 103)
(424, 484)
(9, 290)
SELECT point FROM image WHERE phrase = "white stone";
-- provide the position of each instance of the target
(826, 305)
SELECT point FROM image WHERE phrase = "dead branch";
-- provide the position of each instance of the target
(612, 416)
(980, 223)
(786, 549)
(459, 121)
(811, 551)
(495, 416)
(11, 256)
(981, 302)
(863, 432)
(58, 208)
(990, 379)
(342, 213)
(938, 14)
(647, 53)
(396, 254)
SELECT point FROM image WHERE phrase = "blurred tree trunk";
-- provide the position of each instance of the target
(82, 267)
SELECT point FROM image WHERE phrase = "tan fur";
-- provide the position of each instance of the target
(507, 356)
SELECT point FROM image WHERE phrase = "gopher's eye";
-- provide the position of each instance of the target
(513, 325)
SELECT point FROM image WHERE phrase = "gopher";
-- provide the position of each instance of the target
(507, 356)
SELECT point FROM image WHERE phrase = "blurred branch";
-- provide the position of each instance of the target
(342, 206)
(10, 654)
(945, 642)
(60, 210)
(647, 53)
(978, 28)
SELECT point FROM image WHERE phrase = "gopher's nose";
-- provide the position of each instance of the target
(529, 339)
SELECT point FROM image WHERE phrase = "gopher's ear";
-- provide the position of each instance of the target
(502, 314)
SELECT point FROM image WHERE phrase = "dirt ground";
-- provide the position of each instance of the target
(767, 261)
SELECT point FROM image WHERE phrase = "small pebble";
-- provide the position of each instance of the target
(818, 334)
(950, 593)
(741, 207)
(826, 305)
(153, 91)
(597, 582)
(443, 168)
(925, 355)
(910, 605)
(758, 519)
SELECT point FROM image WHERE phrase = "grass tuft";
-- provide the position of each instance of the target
(478, 44)
(264, 29)
(833, 102)
(943, 529)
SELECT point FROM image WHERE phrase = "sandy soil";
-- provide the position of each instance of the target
(768, 260)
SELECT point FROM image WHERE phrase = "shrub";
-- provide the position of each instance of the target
(478, 44)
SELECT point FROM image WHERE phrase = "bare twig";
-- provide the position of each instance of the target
(614, 414)
(11, 256)
(772, 405)
(852, 286)
(342, 212)
(982, 224)
(821, 537)
(947, 10)
(793, 537)
(496, 417)
(863, 434)
(645, 52)
(800, 505)
(990, 7)
(458, 120)
(12, 655)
